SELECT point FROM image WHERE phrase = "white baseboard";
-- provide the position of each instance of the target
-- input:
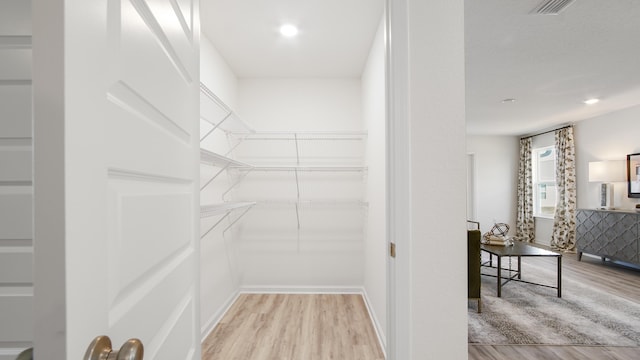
(262, 289)
(380, 332)
(215, 319)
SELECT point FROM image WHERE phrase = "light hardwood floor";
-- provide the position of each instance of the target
(319, 327)
(294, 327)
(610, 277)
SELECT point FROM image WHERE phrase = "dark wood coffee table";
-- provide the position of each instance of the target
(518, 250)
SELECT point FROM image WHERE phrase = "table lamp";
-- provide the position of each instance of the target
(606, 172)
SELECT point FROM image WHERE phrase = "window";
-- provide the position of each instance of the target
(544, 181)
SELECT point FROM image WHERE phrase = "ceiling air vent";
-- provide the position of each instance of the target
(551, 7)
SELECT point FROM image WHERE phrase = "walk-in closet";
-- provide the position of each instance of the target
(292, 173)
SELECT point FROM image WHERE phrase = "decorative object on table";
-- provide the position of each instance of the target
(633, 175)
(497, 235)
(605, 173)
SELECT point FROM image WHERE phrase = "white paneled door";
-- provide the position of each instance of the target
(16, 245)
(116, 175)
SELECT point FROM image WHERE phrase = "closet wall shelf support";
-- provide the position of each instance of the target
(211, 158)
(217, 209)
(242, 176)
(240, 140)
(215, 126)
(207, 98)
(214, 225)
(214, 177)
(237, 219)
(226, 209)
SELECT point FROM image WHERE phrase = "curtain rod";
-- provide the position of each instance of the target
(546, 132)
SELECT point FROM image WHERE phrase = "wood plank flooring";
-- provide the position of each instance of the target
(320, 327)
(294, 327)
(564, 352)
(615, 279)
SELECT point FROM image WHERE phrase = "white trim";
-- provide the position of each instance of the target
(399, 278)
(382, 340)
(215, 319)
(10, 351)
(275, 289)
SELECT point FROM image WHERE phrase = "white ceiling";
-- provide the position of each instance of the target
(334, 39)
(548, 63)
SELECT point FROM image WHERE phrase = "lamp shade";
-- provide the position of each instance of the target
(607, 171)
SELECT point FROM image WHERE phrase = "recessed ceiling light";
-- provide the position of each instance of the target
(288, 30)
(591, 101)
(505, 101)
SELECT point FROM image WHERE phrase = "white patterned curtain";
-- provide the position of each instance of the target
(524, 223)
(564, 219)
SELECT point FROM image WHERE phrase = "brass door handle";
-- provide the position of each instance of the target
(100, 349)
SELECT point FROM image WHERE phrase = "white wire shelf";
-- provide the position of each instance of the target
(211, 158)
(214, 111)
(223, 208)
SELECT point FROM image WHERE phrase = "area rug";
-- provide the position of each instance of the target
(529, 314)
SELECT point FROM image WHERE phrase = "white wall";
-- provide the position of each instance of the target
(316, 104)
(16, 190)
(219, 263)
(326, 252)
(607, 137)
(496, 191)
(375, 247)
(216, 74)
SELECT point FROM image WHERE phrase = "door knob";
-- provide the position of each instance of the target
(100, 349)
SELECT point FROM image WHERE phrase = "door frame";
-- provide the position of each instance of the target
(398, 178)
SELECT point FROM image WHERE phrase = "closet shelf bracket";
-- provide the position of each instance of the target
(237, 219)
(216, 126)
(242, 176)
(226, 209)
